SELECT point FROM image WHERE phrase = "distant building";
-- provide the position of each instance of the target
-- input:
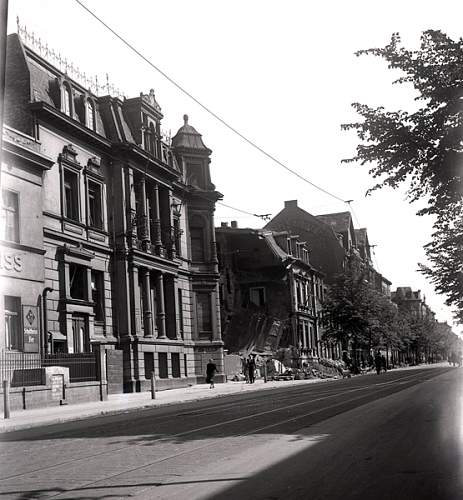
(413, 303)
(270, 292)
(331, 239)
(326, 247)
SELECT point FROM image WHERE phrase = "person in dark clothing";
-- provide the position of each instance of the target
(252, 369)
(383, 363)
(245, 369)
(211, 369)
(378, 362)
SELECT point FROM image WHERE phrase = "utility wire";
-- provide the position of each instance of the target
(265, 217)
(208, 110)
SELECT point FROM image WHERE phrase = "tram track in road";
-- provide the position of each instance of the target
(381, 389)
(384, 390)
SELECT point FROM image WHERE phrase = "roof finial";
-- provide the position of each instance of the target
(185, 119)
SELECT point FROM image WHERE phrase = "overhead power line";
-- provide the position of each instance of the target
(203, 106)
(265, 217)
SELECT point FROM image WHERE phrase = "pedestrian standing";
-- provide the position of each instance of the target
(211, 369)
(383, 363)
(378, 362)
(252, 369)
(244, 362)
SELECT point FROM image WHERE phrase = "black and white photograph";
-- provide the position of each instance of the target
(231, 250)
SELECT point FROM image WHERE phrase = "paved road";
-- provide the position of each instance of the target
(394, 436)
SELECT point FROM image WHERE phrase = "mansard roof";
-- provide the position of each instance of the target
(33, 79)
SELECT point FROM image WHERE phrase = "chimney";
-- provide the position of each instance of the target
(291, 204)
(234, 224)
(224, 224)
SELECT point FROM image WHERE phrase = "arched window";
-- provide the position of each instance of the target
(89, 114)
(66, 104)
(197, 236)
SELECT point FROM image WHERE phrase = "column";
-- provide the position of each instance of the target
(161, 314)
(131, 204)
(157, 223)
(305, 332)
(171, 243)
(135, 299)
(215, 315)
(147, 314)
(143, 223)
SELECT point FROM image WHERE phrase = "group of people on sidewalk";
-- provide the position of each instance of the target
(455, 359)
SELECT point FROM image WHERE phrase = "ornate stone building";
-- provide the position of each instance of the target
(129, 261)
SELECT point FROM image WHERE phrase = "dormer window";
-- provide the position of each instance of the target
(89, 114)
(66, 100)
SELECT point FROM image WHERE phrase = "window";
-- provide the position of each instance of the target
(175, 359)
(197, 234)
(71, 195)
(149, 364)
(152, 142)
(78, 282)
(97, 285)
(66, 104)
(195, 175)
(180, 311)
(95, 212)
(257, 296)
(177, 237)
(13, 334)
(204, 314)
(89, 114)
(10, 216)
(81, 341)
(162, 360)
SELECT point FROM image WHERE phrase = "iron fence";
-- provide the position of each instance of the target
(21, 368)
(25, 369)
(83, 367)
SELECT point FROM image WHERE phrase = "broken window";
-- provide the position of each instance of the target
(257, 296)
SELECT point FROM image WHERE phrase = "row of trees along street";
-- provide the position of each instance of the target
(423, 150)
(364, 320)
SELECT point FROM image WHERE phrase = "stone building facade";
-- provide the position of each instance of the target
(22, 269)
(124, 223)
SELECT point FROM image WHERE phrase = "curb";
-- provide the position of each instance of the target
(158, 403)
(142, 406)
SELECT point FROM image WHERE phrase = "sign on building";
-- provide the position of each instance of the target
(31, 328)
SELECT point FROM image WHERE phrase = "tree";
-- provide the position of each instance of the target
(423, 148)
(445, 252)
(351, 309)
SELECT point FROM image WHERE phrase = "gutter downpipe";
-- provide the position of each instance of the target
(45, 321)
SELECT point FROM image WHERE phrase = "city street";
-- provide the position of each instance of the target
(397, 435)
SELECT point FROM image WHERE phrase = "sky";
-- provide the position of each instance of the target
(284, 74)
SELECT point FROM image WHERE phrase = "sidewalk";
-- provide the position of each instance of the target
(120, 403)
